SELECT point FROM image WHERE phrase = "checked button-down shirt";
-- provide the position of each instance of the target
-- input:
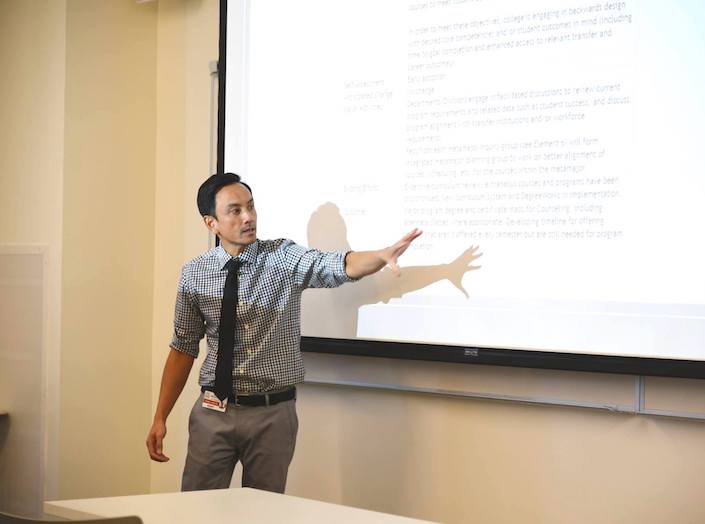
(272, 276)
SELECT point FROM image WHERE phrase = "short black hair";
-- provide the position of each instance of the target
(206, 193)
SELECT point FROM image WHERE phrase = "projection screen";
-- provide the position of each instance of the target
(551, 151)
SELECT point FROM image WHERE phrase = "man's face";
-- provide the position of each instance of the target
(235, 217)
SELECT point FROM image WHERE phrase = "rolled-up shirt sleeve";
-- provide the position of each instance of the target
(189, 325)
(314, 268)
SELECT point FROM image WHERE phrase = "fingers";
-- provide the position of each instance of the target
(159, 441)
(411, 236)
(459, 286)
(475, 257)
(155, 453)
(399, 250)
(470, 254)
(154, 446)
(406, 241)
(393, 252)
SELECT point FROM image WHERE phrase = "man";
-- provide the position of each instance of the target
(244, 296)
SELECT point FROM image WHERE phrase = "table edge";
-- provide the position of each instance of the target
(55, 509)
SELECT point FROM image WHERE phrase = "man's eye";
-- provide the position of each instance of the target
(235, 211)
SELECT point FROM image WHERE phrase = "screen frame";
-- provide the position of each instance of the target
(595, 363)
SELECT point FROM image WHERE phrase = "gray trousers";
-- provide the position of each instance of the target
(262, 438)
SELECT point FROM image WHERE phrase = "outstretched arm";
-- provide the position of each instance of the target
(362, 263)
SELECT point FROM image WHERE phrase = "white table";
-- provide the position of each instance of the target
(230, 506)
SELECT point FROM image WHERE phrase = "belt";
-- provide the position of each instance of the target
(259, 399)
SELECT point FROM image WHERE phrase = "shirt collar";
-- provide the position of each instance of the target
(248, 255)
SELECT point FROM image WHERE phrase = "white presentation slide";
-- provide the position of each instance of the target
(552, 152)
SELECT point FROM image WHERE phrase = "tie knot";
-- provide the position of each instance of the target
(232, 264)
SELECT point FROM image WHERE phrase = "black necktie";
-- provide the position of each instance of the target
(226, 333)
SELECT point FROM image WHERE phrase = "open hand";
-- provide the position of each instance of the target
(393, 252)
(461, 265)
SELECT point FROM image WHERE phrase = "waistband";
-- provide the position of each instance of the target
(259, 399)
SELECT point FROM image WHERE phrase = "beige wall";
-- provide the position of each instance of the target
(32, 58)
(460, 460)
(32, 42)
(108, 231)
(77, 154)
(187, 42)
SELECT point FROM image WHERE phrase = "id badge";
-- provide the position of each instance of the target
(211, 401)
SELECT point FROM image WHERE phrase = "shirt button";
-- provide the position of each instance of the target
(246, 326)
(242, 371)
(249, 352)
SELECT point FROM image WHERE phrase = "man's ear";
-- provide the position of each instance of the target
(211, 223)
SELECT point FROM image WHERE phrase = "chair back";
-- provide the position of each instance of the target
(6, 518)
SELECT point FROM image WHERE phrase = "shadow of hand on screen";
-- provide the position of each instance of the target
(418, 277)
(334, 313)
